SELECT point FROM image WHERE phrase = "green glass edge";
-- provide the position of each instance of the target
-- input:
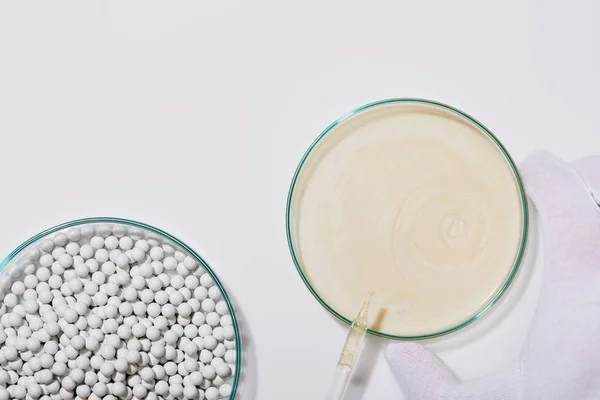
(95, 220)
(524, 204)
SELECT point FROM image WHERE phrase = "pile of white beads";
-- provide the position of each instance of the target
(110, 312)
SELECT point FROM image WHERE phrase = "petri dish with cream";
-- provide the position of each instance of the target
(415, 201)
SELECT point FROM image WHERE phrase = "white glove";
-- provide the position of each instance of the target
(561, 356)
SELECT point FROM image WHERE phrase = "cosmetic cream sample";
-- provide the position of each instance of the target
(412, 202)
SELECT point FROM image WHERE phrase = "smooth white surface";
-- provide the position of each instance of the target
(192, 116)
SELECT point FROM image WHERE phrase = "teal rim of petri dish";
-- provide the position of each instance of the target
(518, 180)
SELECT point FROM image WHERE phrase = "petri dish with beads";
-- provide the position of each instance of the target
(415, 201)
(126, 245)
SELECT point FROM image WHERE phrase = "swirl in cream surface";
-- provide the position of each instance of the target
(414, 203)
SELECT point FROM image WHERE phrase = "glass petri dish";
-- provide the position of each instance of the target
(357, 123)
(19, 255)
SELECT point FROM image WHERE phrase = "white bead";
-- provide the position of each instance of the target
(93, 264)
(154, 284)
(161, 297)
(125, 309)
(138, 282)
(97, 242)
(198, 319)
(11, 300)
(168, 310)
(30, 281)
(122, 260)
(191, 331)
(100, 389)
(108, 268)
(177, 281)
(112, 289)
(214, 293)
(83, 391)
(138, 254)
(111, 242)
(121, 365)
(157, 253)
(212, 393)
(177, 329)
(230, 356)
(209, 342)
(77, 375)
(18, 392)
(140, 391)
(110, 325)
(66, 260)
(124, 332)
(88, 231)
(119, 230)
(218, 333)
(190, 263)
(75, 285)
(10, 353)
(154, 241)
(46, 260)
(60, 239)
(146, 296)
(18, 288)
(170, 263)
(139, 308)
(130, 294)
(225, 390)
(130, 320)
(44, 376)
(213, 319)
(226, 320)
(14, 319)
(165, 278)
(200, 293)
(33, 344)
(47, 245)
(206, 356)
(142, 244)
(195, 304)
(168, 249)
(186, 293)
(72, 248)
(206, 280)
(221, 307)
(114, 254)
(118, 389)
(208, 372)
(190, 392)
(125, 243)
(223, 370)
(43, 274)
(161, 388)
(138, 330)
(204, 330)
(107, 368)
(153, 333)
(229, 332)
(74, 234)
(176, 298)
(208, 305)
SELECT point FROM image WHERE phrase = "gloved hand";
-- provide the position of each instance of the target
(561, 356)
